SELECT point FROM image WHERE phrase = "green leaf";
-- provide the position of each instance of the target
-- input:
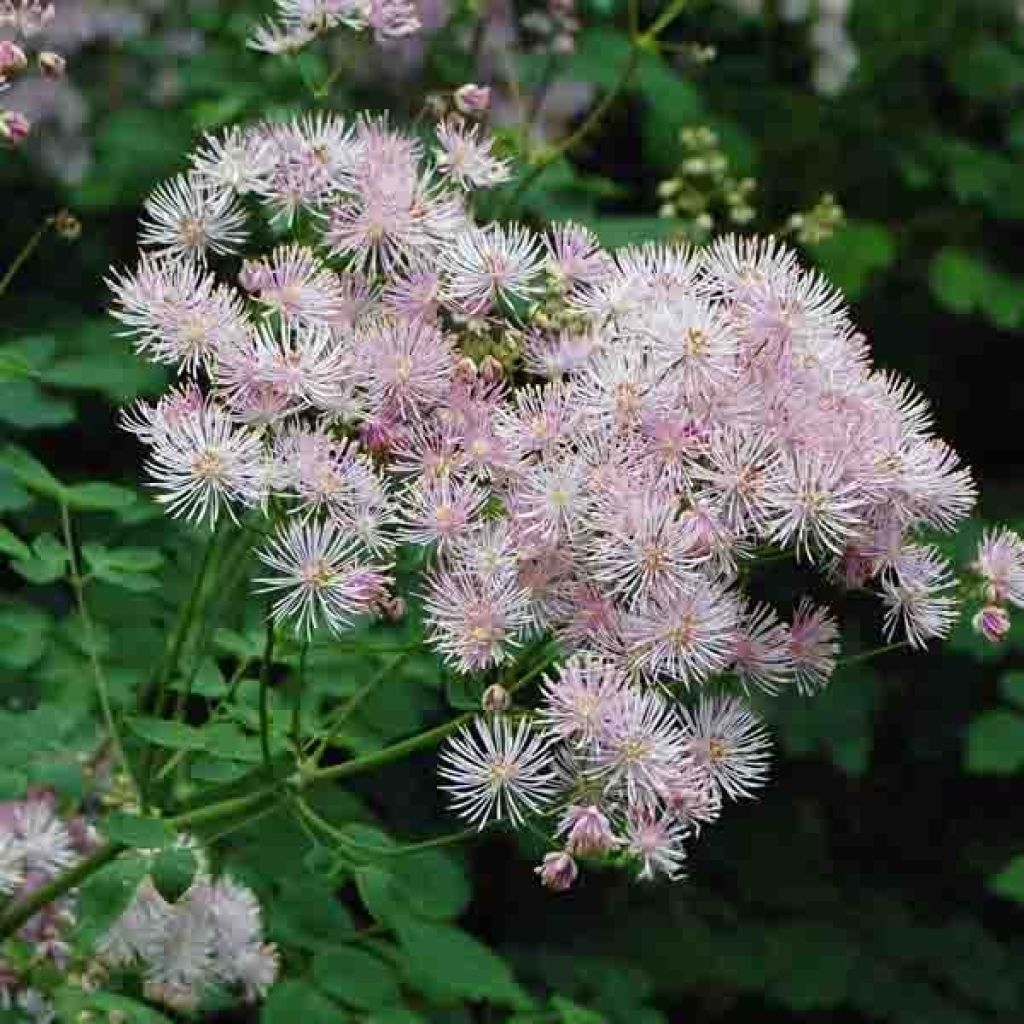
(74, 1004)
(395, 1015)
(355, 977)
(124, 567)
(105, 896)
(135, 830)
(995, 743)
(164, 733)
(47, 561)
(451, 964)
(569, 1013)
(297, 1002)
(174, 869)
(988, 70)
(25, 405)
(956, 279)
(99, 497)
(10, 544)
(13, 367)
(307, 914)
(854, 254)
(13, 784)
(30, 472)
(23, 636)
(1011, 686)
(1009, 883)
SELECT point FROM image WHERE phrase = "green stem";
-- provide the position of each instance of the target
(253, 805)
(265, 667)
(26, 251)
(99, 678)
(638, 44)
(357, 698)
(853, 659)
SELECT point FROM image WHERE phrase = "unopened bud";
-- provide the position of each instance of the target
(496, 699)
(491, 371)
(67, 225)
(393, 609)
(992, 622)
(12, 58)
(557, 871)
(465, 371)
(472, 99)
(51, 64)
(253, 276)
(14, 128)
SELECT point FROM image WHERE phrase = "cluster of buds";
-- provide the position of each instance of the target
(1000, 565)
(23, 19)
(553, 29)
(817, 224)
(704, 187)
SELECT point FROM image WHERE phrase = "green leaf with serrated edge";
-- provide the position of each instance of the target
(296, 1002)
(99, 497)
(451, 964)
(30, 472)
(355, 977)
(104, 896)
(77, 1005)
(10, 544)
(165, 733)
(138, 831)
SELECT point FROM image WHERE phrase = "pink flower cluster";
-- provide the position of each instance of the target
(589, 445)
(36, 845)
(299, 22)
(212, 936)
(1000, 565)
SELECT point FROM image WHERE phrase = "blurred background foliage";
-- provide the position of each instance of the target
(881, 878)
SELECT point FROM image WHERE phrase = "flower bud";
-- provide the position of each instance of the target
(589, 831)
(496, 699)
(992, 622)
(51, 64)
(253, 275)
(12, 58)
(67, 225)
(557, 871)
(14, 128)
(472, 99)
(465, 371)
(491, 371)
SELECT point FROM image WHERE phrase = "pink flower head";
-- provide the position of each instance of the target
(587, 831)
(992, 622)
(918, 595)
(475, 622)
(727, 744)
(483, 266)
(319, 577)
(472, 100)
(813, 646)
(1000, 563)
(656, 841)
(495, 769)
(14, 128)
(578, 703)
(557, 871)
(465, 156)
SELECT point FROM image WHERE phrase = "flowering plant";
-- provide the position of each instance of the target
(567, 471)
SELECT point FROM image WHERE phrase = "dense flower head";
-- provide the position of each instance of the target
(591, 447)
